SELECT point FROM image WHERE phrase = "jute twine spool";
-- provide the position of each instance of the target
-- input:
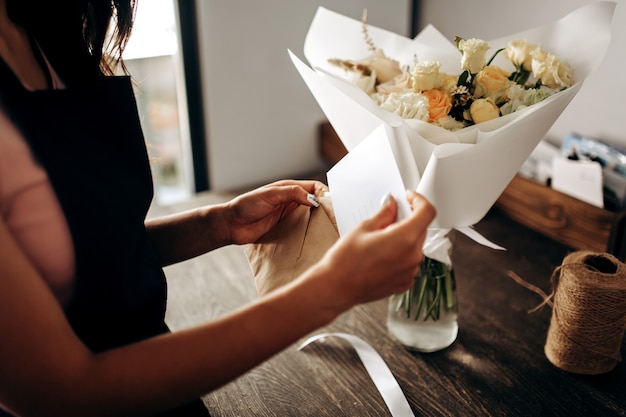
(588, 314)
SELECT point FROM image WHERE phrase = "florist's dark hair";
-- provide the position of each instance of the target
(81, 38)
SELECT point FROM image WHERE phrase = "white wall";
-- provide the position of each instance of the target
(599, 109)
(261, 118)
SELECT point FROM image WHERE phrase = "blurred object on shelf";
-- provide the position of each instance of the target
(611, 159)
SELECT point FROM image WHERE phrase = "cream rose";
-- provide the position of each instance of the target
(484, 109)
(474, 51)
(552, 72)
(366, 83)
(518, 52)
(439, 104)
(492, 81)
(425, 76)
(385, 68)
(448, 82)
(397, 84)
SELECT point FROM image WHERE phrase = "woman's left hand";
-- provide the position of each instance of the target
(251, 215)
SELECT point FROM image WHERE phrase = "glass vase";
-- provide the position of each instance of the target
(424, 318)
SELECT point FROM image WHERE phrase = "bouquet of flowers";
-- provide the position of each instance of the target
(461, 171)
(436, 116)
(482, 91)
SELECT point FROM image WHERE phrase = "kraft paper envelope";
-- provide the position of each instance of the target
(293, 245)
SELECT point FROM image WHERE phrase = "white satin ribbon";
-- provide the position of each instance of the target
(477, 237)
(377, 370)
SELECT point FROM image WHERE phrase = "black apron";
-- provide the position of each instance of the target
(90, 142)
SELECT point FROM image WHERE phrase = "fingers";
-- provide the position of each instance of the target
(311, 186)
(410, 233)
(384, 253)
(423, 212)
(299, 191)
(381, 256)
(414, 228)
(385, 216)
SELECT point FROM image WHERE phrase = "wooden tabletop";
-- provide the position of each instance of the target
(496, 367)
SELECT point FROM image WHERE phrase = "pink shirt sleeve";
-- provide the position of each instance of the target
(31, 211)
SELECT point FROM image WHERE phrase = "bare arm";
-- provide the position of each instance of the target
(243, 220)
(188, 234)
(45, 360)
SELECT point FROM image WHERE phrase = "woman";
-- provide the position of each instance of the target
(82, 291)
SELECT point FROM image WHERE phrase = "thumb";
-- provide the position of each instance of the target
(385, 216)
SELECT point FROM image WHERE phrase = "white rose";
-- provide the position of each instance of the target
(366, 83)
(385, 68)
(377, 63)
(425, 76)
(518, 52)
(408, 105)
(396, 85)
(552, 72)
(473, 51)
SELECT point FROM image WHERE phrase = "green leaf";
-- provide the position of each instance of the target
(463, 79)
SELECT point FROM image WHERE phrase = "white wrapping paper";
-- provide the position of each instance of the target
(461, 173)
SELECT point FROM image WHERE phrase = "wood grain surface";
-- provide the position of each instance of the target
(496, 367)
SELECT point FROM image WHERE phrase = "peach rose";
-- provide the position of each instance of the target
(439, 104)
(484, 109)
(491, 81)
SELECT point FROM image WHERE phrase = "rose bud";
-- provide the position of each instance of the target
(484, 109)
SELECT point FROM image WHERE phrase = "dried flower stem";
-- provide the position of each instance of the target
(368, 40)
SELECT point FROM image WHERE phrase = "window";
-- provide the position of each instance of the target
(153, 60)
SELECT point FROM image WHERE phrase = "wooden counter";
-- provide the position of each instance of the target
(496, 367)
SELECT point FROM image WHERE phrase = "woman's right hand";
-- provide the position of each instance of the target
(380, 257)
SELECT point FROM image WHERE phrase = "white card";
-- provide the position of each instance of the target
(360, 180)
(580, 179)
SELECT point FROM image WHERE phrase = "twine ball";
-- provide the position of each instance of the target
(588, 314)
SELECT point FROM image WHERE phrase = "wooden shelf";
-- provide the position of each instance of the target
(559, 216)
